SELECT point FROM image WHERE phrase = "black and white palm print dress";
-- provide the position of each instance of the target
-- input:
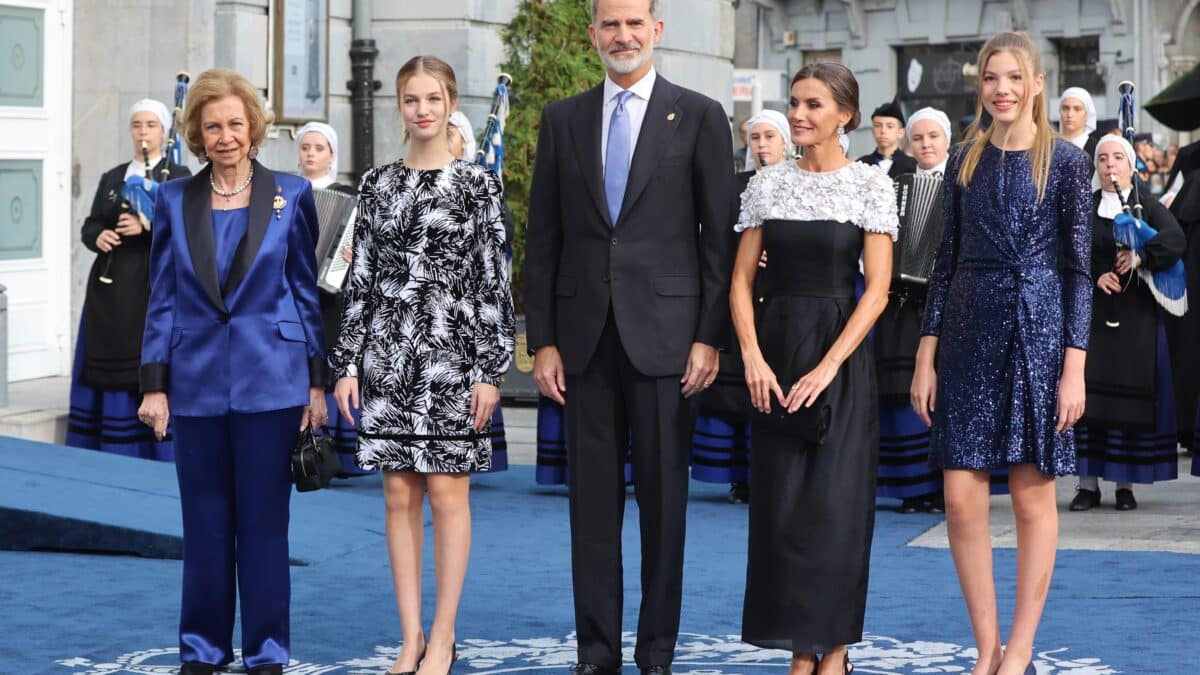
(429, 313)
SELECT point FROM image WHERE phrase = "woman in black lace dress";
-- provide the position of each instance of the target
(426, 335)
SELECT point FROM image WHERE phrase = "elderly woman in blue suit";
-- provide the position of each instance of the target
(233, 342)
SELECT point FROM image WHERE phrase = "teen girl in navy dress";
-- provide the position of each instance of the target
(1000, 367)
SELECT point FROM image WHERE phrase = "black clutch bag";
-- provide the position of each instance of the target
(314, 462)
(810, 424)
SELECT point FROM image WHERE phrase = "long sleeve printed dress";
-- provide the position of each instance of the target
(1010, 291)
(428, 315)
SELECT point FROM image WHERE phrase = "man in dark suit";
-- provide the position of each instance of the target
(887, 126)
(628, 255)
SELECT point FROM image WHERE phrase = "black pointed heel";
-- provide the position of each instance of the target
(419, 660)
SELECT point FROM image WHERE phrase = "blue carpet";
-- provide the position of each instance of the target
(1109, 612)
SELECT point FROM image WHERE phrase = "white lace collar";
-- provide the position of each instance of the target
(856, 193)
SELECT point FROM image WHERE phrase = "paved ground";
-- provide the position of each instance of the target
(1168, 519)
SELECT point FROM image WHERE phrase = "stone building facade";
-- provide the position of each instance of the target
(102, 55)
(916, 48)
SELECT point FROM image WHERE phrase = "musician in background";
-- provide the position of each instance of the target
(317, 146)
(233, 353)
(317, 150)
(905, 472)
(428, 332)
(104, 378)
(721, 441)
(1127, 434)
(1077, 119)
(887, 126)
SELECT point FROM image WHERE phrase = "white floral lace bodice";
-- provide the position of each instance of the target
(856, 193)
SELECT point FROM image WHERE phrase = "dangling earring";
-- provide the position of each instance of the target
(843, 139)
(203, 157)
(253, 153)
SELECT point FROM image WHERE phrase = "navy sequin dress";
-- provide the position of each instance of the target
(1011, 290)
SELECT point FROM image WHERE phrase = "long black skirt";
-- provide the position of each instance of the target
(812, 511)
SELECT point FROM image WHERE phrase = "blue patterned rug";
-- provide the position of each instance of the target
(1109, 612)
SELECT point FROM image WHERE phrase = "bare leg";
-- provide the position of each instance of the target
(833, 662)
(1037, 542)
(450, 503)
(968, 497)
(404, 495)
(803, 663)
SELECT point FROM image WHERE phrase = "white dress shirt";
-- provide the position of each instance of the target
(940, 168)
(1079, 141)
(635, 107)
(138, 168)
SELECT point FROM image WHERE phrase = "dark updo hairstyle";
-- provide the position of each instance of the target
(841, 83)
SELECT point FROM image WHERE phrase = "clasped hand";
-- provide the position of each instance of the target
(762, 382)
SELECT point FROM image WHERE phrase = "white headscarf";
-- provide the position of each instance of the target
(459, 121)
(160, 111)
(1080, 94)
(775, 119)
(1110, 204)
(330, 136)
(928, 114)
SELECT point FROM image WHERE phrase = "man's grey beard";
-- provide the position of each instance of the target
(627, 66)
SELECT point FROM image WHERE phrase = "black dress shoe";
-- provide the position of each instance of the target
(267, 669)
(1085, 500)
(1125, 500)
(657, 670)
(593, 669)
(739, 493)
(935, 502)
(195, 668)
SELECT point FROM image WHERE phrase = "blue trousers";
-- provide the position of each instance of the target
(234, 487)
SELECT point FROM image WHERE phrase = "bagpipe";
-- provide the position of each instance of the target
(1132, 232)
(491, 150)
(139, 192)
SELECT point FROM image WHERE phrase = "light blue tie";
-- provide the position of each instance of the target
(616, 159)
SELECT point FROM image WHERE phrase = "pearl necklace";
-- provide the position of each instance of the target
(245, 184)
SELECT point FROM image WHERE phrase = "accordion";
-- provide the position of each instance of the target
(919, 203)
(335, 217)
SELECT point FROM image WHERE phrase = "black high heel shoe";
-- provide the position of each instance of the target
(419, 660)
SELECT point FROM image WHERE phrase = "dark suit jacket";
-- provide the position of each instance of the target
(901, 163)
(256, 344)
(664, 268)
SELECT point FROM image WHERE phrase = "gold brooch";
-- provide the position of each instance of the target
(279, 203)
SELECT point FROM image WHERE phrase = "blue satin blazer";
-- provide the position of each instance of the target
(256, 344)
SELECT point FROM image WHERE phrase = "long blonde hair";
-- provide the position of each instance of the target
(977, 138)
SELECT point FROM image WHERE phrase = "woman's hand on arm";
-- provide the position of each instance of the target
(315, 414)
(345, 392)
(1072, 393)
(760, 379)
(155, 413)
(484, 399)
(923, 394)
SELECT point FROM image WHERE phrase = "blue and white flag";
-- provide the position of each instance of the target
(491, 151)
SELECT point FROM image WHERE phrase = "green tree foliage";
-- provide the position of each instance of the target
(550, 57)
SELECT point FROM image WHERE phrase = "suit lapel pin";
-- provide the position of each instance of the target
(670, 117)
(279, 203)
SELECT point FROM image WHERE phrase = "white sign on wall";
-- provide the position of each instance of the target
(770, 84)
